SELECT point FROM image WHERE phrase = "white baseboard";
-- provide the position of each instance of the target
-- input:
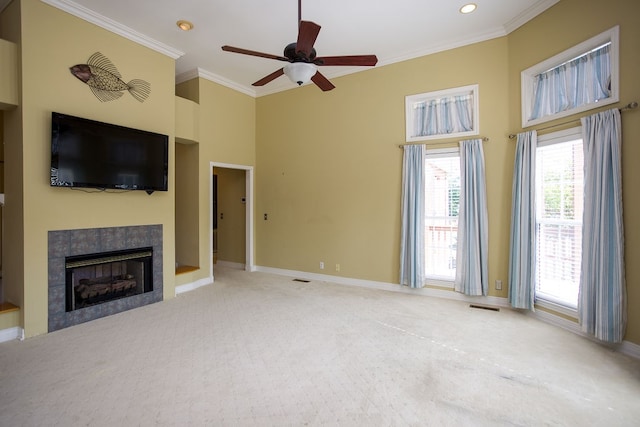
(193, 285)
(629, 348)
(10, 334)
(626, 347)
(385, 286)
(229, 264)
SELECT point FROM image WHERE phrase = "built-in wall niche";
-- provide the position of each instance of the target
(187, 194)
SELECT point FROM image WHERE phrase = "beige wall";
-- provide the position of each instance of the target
(227, 132)
(329, 167)
(59, 40)
(231, 215)
(8, 74)
(12, 239)
(557, 30)
(187, 190)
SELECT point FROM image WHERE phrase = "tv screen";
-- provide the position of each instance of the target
(87, 153)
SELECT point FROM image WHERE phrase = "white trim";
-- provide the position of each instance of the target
(115, 27)
(434, 153)
(187, 75)
(490, 34)
(527, 77)
(249, 220)
(193, 285)
(556, 307)
(229, 264)
(560, 136)
(199, 72)
(10, 334)
(226, 82)
(626, 347)
(528, 15)
(385, 286)
(558, 321)
(630, 349)
(439, 283)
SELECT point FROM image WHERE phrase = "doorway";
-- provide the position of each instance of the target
(225, 212)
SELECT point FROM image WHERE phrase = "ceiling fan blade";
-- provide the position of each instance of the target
(361, 60)
(253, 53)
(263, 81)
(322, 82)
(307, 34)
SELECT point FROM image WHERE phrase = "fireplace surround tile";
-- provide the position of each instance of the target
(84, 241)
(66, 243)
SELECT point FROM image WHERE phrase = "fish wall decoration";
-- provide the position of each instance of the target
(105, 81)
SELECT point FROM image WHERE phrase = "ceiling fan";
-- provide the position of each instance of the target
(302, 59)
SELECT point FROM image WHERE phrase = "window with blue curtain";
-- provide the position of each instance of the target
(445, 113)
(578, 79)
(442, 200)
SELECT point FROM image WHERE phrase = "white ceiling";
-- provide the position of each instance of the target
(393, 30)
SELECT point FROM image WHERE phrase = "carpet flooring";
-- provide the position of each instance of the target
(256, 349)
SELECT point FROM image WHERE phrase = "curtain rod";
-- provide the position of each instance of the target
(484, 139)
(630, 106)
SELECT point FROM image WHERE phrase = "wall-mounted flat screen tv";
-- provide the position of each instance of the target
(87, 153)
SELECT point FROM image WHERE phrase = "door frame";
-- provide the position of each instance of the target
(249, 217)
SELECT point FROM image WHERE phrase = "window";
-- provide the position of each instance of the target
(445, 113)
(576, 80)
(559, 205)
(442, 201)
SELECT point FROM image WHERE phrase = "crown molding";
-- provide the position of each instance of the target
(113, 26)
(528, 15)
(207, 75)
(186, 76)
(454, 44)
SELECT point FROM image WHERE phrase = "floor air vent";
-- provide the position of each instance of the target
(301, 280)
(484, 307)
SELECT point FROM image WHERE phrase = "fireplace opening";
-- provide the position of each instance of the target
(98, 278)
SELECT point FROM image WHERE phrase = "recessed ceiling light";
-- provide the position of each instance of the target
(184, 25)
(468, 8)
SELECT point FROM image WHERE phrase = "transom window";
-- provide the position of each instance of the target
(559, 206)
(442, 114)
(442, 202)
(576, 80)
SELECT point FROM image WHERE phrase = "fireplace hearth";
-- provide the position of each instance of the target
(98, 278)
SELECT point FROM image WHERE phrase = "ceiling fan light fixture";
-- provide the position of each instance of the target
(300, 72)
(468, 8)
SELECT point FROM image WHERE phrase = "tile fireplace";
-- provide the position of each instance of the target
(97, 272)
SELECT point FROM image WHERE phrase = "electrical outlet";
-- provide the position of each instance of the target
(498, 285)
(321, 265)
(337, 267)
